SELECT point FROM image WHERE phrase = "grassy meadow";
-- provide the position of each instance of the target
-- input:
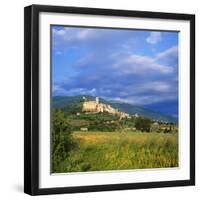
(99, 151)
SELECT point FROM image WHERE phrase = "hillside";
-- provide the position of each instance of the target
(74, 104)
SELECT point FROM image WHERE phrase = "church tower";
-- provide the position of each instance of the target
(97, 100)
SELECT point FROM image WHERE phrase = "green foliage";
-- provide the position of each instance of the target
(61, 139)
(73, 108)
(96, 122)
(98, 126)
(143, 124)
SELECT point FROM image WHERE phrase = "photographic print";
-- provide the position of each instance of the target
(109, 99)
(114, 99)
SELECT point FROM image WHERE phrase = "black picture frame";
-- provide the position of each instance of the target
(31, 99)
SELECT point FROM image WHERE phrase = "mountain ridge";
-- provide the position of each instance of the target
(66, 102)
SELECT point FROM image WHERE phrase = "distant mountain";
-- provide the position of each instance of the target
(68, 102)
(65, 101)
(167, 107)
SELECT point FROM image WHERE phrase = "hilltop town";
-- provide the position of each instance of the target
(97, 107)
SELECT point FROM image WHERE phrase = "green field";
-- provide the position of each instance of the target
(99, 151)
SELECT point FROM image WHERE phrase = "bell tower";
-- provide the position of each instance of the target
(97, 100)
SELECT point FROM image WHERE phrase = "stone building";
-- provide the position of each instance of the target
(96, 107)
(91, 106)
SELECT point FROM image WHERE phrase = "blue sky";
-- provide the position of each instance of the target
(132, 66)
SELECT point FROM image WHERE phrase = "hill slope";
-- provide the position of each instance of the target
(75, 102)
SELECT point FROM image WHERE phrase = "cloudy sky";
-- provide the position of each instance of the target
(133, 66)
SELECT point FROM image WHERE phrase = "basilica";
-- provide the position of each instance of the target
(97, 107)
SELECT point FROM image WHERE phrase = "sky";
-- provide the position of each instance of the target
(139, 67)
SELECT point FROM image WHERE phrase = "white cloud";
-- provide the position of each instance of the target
(154, 38)
(59, 90)
(60, 32)
(85, 34)
(156, 86)
(173, 51)
(147, 92)
(82, 91)
(143, 99)
(71, 35)
(136, 64)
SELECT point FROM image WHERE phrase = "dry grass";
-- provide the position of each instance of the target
(125, 150)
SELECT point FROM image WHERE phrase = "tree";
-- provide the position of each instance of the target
(143, 124)
(61, 138)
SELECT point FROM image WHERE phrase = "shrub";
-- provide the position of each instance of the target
(143, 124)
(61, 138)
